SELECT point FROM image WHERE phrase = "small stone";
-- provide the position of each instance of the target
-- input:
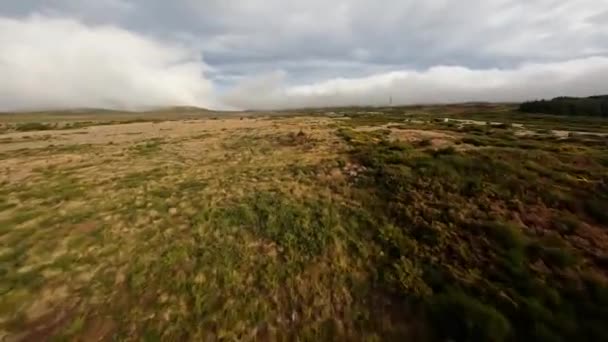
(200, 278)
(190, 211)
(163, 298)
(173, 211)
(120, 278)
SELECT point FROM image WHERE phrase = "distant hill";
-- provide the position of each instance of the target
(101, 111)
(572, 106)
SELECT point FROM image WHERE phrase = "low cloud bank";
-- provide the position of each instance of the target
(440, 84)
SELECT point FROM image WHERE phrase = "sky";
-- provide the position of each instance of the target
(273, 54)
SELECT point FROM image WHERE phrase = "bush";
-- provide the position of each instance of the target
(597, 209)
(553, 251)
(444, 151)
(558, 257)
(507, 236)
(301, 227)
(473, 141)
(407, 277)
(460, 317)
(502, 126)
(33, 126)
(424, 143)
(566, 223)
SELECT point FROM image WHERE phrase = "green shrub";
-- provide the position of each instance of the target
(506, 235)
(447, 213)
(502, 126)
(566, 223)
(474, 129)
(424, 143)
(473, 141)
(553, 250)
(408, 278)
(559, 257)
(459, 317)
(597, 209)
(444, 151)
(33, 126)
(300, 227)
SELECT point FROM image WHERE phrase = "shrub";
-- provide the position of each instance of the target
(553, 251)
(444, 151)
(424, 143)
(566, 223)
(473, 141)
(502, 126)
(460, 317)
(473, 129)
(556, 256)
(33, 126)
(303, 228)
(506, 235)
(597, 209)
(407, 277)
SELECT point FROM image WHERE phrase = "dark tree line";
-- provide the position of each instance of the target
(588, 106)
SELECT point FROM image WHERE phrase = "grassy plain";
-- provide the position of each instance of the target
(470, 223)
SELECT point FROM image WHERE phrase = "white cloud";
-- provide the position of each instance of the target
(61, 63)
(347, 52)
(580, 77)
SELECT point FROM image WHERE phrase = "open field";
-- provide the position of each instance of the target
(417, 223)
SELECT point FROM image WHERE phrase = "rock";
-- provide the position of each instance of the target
(173, 211)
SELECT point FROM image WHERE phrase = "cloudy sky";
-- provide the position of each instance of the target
(266, 54)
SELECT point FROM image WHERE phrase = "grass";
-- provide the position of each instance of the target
(147, 147)
(302, 230)
(311, 228)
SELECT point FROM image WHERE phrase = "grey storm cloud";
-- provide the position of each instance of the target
(277, 53)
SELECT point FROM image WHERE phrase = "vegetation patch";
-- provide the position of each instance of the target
(422, 223)
(443, 206)
(148, 147)
(34, 126)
